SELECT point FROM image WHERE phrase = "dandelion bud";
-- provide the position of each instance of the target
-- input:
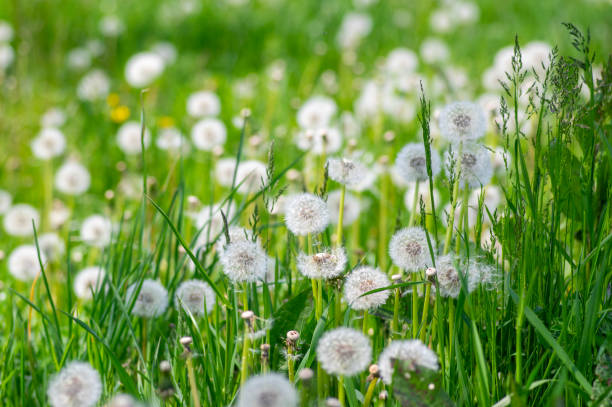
(186, 341)
(245, 112)
(373, 370)
(293, 175)
(265, 348)
(396, 278)
(292, 337)
(431, 386)
(430, 273)
(164, 366)
(247, 315)
(306, 374)
(383, 395)
(109, 194)
(389, 136)
(332, 402)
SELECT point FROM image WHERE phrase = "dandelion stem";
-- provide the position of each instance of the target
(415, 307)
(451, 215)
(290, 367)
(395, 322)
(246, 343)
(365, 322)
(340, 217)
(370, 392)
(192, 382)
(341, 390)
(425, 311)
(415, 200)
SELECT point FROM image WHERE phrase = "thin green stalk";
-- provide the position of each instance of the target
(341, 390)
(451, 215)
(192, 382)
(415, 200)
(246, 343)
(395, 322)
(425, 311)
(365, 322)
(340, 217)
(370, 392)
(415, 307)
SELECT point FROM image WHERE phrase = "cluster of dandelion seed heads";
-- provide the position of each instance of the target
(409, 250)
(344, 351)
(414, 352)
(462, 121)
(323, 265)
(151, 301)
(195, 296)
(268, 390)
(345, 171)
(306, 213)
(411, 163)
(244, 261)
(362, 280)
(76, 385)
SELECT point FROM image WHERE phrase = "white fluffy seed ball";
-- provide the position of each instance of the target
(208, 133)
(72, 178)
(414, 352)
(344, 352)
(476, 166)
(76, 385)
(462, 121)
(143, 68)
(251, 176)
(362, 280)
(323, 265)
(268, 390)
(129, 138)
(202, 104)
(306, 213)
(49, 143)
(244, 261)
(88, 281)
(195, 296)
(151, 301)
(19, 218)
(409, 250)
(23, 262)
(411, 163)
(345, 171)
(96, 231)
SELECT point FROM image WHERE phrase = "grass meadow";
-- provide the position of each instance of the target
(266, 203)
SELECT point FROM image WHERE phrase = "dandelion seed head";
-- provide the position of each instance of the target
(409, 250)
(316, 113)
(354, 27)
(237, 234)
(208, 133)
(18, 220)
(111, 26)
(49, 143)
(401, 62)
(434, 50)
(411, 163)
(96, 231)
(128, 138)
(6, 31)
(171, 139)
(51, 245)
(244, 261)
(95, 85)
(23, 262)
(320, 141)
(344, 352)
(72, 178)
(123, 400)
(6, 199)
(323, 265)
(203, 103)
(151, 300)
(224, 171)
(476, 168)
(251, 176)
(195, 296)
(345, 171)
(143, 68)
(462, 121)
(414, 352)
(362, 280)
(76, 385)
(268, 390)
(306, 213)
(88, 281)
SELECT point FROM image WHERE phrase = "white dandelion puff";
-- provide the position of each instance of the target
(208, 133)
(344, 351)
(411, 163)
(352, 207)
(171, 139)
(88, 281)
(19, 218)
(53, 117)
(6, 31)
(151, 300)
(434, 50)
(401, 62)
(23, 262)
(129, 138)
(76, 385)
(462, 121)
(224, 171)
(6, 199)
(316, 113)
(408, 249)
(123, 400)
(51, 245)
(362, 280)
(251, 176)
(320, 141)
(306, 213)
(476, 167)
(268, 390)
(415, 352)
(203, 103)
(325, 265)
(96, 230)
(72, 178)
(49, 143)
(166, 50)
(354, 27)
(143, 68)
(345, 171)
(94, 86)
(195, 296)
(450, 272)
(237, 234)
(244, 261)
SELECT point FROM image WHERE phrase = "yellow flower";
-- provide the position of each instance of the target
(165, 122)
(112, 100)
(120, 114)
